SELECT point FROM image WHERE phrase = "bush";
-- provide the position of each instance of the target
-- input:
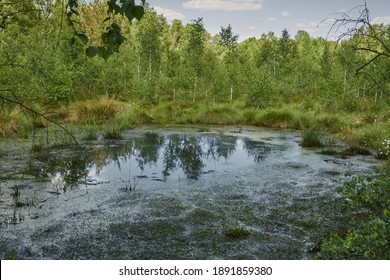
(371, 237)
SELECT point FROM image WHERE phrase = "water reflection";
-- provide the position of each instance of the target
(151, 155)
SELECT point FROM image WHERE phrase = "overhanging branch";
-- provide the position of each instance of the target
(38, 114)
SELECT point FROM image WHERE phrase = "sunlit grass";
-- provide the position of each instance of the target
(10, 122)
(95, 111)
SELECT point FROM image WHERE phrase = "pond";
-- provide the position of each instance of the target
(228, 193)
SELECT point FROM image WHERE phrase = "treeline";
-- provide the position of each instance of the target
(163, 62)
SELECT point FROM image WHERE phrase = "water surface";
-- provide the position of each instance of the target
(173, 194)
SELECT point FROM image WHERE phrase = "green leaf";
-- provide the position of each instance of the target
(113, 8)
(138, 12)
(93, 51)
(83, 37)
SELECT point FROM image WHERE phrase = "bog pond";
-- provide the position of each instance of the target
(173, 193)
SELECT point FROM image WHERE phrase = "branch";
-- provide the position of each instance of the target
(373, 51)
(38, 114)
(366, 64)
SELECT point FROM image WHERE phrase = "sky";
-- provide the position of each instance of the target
(251, 18)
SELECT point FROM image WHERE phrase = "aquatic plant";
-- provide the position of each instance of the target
(235, 231)
(11, 255)
(113, 132)
(311, 138)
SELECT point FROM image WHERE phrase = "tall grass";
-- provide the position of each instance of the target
(219, 114)
(279, 118)
(10, 121)
(95, 111)
(311, 138)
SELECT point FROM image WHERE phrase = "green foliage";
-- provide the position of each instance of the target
(370, 239)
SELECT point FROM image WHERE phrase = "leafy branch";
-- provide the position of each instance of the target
(112, 38)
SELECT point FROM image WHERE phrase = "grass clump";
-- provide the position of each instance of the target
(113, 132)
(279, 118)
(90, 133)
(10, 122)
(95, 111)
(236, 231)
(311, 138)
(219, 114)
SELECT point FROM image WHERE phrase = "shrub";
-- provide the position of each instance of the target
(370, 239)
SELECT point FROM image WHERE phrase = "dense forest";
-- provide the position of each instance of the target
(175, 73)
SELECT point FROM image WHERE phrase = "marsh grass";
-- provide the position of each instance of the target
(113, 132)
(284, 118)
(219, 114)
(369, 135)
(311, 138)
(90, 133)
(95, 111)
(10, 121)
(235, 231)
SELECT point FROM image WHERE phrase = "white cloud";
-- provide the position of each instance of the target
(310, 27)
(169, 14)
(271, 19)
(285, 13)
(252, 27)
(379, 20)
(225, 5)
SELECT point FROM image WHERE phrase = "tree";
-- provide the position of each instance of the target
(369, 38)
(227, 38)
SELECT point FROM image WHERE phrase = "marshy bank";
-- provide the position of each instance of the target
(225, 193)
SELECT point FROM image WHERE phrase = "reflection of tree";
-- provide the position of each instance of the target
(176, 151)
(190, 157)
(146, 149)
(255, 149)
(219, 147)
(184, 152)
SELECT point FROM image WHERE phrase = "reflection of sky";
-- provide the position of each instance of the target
(129, 168)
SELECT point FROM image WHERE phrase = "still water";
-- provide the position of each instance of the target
(173, 194)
